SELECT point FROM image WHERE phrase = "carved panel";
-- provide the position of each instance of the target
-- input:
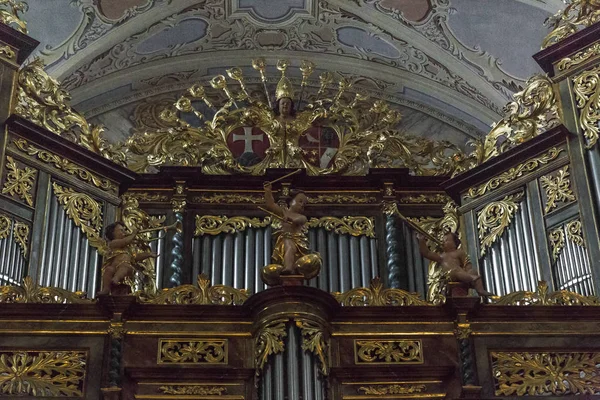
(43, 373)
(557, 189)
(545, 373)
(388, 351)
(192, 351)
(19, 181)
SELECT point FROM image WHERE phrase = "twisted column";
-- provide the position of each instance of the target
(393, 247)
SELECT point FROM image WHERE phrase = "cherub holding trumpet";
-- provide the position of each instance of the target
(120, 256)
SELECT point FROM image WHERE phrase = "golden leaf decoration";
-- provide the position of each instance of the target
(541, 297)
(494, 218)
(557, 188)
(7, 52)
(376, 295)
(557, 242)
(514, 173)
(579, 57)
(314, 341)
(193, 390)
(577, 14)
(43, 373)
(586, 87)
(215, 225)
(85, 212)
(355, 226)
(382, 390)
(527, 373)
(574, 233)
(192, 351)
(31, 292)
(21, 237)
(269, 340)
(341, 199)
(203, 294)
(64, 164)
(18, 181)
(43, 101)
(5, 225)
(388, 351)
(9, 14)
(228, 198)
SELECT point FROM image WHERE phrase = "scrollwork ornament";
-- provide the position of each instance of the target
(533, 112)
(314, 341)
(228, 198)
(383, 390)
(579, 57)
(193, 390)
(64, 164)
(557, 242)
(354, 226)
(577, 14)
(558, 188)
(514, 173)
(85, 212)
(436, 198)
(192, 351)
(215, 225)
(21, 237)
(388, 351)
(31, 292)
(9, 14)
(269, 340)
(376, 295)
(203, 294)
(574, 232)
(341, 199)
(5, 226)
(542, 297)
(19, 181)
(494, 218)
(587, 93)
(7, 53)
(43, 101)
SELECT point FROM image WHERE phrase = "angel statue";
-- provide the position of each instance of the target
(291, 254)
(128, 257)
(120, 257)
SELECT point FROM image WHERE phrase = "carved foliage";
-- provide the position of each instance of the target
(43, 373)
(268, 340)
(382, 390)
(85, 212)
(541, 297)
(355, 226)
(376, 295)
(197, 390)
(545, 373)
(314, 341)
(558, 188)
(577, 14)
(192, 351)
(9, 14)
(31, 292)
(388, 351)
(203, 294)
(494, 218)
(19, 182)
(586, 87)
(514, 173)
(215, 225)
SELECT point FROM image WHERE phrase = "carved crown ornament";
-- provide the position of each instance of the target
(226, 126)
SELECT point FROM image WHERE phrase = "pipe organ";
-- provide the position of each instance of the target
(379, 321)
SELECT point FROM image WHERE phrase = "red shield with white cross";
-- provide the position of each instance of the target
(320, 145)
(248, 145)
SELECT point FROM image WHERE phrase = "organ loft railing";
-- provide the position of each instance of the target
(344, 277)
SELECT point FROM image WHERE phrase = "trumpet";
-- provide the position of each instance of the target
(176, 225)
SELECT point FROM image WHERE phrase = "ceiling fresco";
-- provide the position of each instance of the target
(449, 66)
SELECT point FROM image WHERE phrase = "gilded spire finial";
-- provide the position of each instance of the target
(284, 87)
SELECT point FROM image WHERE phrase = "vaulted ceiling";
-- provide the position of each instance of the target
(448, 65)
